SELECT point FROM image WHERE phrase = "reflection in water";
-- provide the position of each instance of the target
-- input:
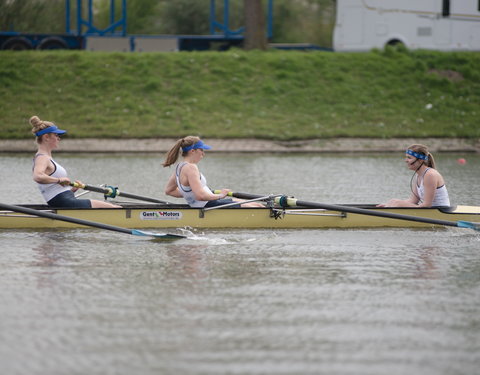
(426, 267)
(188, 262)
(48, 254)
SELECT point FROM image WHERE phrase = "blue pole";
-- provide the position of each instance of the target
(270, 19)
(90, 15)
(79, 17)
(212, 17)
(124, 17)
(67, 16)
(112, 11)
(226, 12)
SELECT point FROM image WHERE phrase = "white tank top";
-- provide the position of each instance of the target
(440, 199)
(50, 191)
(187, 192)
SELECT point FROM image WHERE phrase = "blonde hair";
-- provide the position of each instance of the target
(38, 125)
(172, 155)
(422, 149)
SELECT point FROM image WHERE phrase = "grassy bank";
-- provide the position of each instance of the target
(278, 94)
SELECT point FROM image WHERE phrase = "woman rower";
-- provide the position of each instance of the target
(429, 189)
(189, 183)
(50, 176)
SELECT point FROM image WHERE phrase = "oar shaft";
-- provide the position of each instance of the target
(140, 198)
(362, 211)
(245, 195)
(53, 216)
(355, 210)
(108, 191)
(91, 188)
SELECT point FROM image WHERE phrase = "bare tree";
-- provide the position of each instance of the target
(255, 33)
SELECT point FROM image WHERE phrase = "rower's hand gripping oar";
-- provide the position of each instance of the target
(50, 215)
(285, 201)
(112, 192)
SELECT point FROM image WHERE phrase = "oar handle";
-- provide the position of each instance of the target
(240, 195)
(106, 191)
(230, 194)
(77, 185)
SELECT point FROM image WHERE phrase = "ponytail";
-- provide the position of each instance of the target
(431, 161)
(172, 155)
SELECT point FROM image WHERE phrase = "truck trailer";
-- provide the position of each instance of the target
(443, 25)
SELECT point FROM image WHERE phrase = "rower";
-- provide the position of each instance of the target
(50, 176)
(429, 189)
(187, 182)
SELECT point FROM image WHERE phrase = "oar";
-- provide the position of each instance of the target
(49, 215)
(285, 201)
(112, 192)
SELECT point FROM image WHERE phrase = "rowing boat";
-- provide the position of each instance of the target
(133, 215)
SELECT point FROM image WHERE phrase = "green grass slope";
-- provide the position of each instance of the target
(236, 94)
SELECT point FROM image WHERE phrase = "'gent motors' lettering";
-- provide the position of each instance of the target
(160, 215)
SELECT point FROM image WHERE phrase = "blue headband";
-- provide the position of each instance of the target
(417, 155)
(196, 146)
(50, 129)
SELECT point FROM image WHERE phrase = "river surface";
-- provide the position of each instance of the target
(382, 301)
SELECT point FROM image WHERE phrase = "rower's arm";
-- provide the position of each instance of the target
(201, 194)
(171, 188)
(42, 169)
(413, 199)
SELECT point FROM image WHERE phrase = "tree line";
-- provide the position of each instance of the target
(294, 21)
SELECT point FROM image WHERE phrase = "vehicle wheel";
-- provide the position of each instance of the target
(53, 42)
(395, 43)
(17, 44)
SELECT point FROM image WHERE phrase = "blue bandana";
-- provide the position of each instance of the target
(196, 146)
(50, 129)
(416, 154)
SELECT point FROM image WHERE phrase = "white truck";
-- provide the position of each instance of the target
(444, 25)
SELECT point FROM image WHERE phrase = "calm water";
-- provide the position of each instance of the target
(393, 301)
